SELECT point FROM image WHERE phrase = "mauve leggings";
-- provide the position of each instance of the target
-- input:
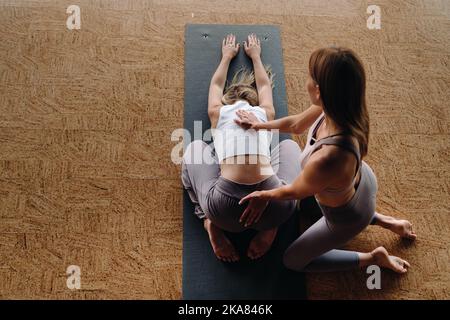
(316, 249)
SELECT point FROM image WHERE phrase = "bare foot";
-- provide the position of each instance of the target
(223, 248)
(403, 228)
(383, 259)
(261, 243)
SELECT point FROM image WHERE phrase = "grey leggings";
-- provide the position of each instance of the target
(315, 250)
(217, 198)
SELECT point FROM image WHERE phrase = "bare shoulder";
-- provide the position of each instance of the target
(327, 158)
(333, 161)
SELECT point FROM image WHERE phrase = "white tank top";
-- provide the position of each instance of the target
(231, 140)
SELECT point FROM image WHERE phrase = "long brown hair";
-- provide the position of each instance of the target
(243, 87)
(342, 83)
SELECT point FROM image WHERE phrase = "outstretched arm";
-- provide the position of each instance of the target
(263, 85)
(315, 177)
(295, 124)
(217, 85)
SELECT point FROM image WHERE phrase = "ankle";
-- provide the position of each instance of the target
(386, 222)
(367, 259)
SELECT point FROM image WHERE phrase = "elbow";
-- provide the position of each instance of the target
(270, 113)
(296, 129)
(293, 129)
(213, 111)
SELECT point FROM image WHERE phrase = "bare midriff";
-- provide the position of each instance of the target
(246, 169)
(337, 201)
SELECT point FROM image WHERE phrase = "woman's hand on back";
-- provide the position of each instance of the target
(252, 46)
(247, 120)
(229, 47)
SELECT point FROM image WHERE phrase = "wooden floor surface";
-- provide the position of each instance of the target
(86, 117)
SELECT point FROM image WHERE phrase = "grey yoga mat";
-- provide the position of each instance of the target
(204, 276)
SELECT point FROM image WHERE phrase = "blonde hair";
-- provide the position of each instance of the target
(243, 87)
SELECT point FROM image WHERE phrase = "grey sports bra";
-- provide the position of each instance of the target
(342, 140)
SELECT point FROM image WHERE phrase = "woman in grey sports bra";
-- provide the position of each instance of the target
(332, 169)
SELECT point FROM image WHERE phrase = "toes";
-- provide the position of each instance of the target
(232, 253)
(229, 257)
(256, 255)
(222, 257)
(410, 234)
(399, 268)
(400, 265)
(409, 230)
(252, 254)
(235, 257)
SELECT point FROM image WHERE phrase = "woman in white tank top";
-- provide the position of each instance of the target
(243, 161)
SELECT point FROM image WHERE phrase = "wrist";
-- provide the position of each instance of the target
(256, 58)
(227, 58)
(257, 126)
(267, 195)
(278, 193)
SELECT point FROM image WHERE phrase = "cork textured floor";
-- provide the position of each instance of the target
(86, 118)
